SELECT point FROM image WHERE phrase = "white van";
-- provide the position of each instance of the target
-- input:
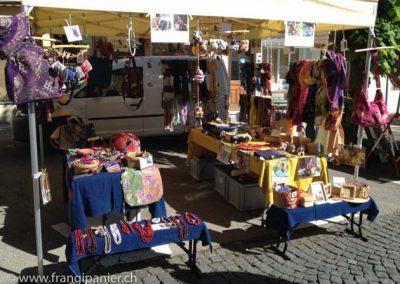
(110, 114)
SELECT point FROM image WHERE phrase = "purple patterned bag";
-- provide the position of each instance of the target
(13, 31)
(27, 75)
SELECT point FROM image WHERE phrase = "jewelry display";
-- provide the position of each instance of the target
(146, 234)
(192, 219)
(79, 243)
(115, 234)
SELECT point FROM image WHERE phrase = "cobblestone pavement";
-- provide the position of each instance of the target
(317, 255)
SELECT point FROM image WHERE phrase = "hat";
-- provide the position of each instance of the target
(13, 31)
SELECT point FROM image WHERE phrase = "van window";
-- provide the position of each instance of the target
(115, 87)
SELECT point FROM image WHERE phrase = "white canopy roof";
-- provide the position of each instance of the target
(257, 15)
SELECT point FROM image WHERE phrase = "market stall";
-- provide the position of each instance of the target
(47, 16)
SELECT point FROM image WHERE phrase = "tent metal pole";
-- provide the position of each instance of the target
(35, 174)
(366, 79)
(35, 180)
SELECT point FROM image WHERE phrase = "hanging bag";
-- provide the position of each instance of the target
(132, 84)
(370, 114)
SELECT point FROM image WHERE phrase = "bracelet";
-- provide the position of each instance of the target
(116, 234)
(155, 220)
(192, 219)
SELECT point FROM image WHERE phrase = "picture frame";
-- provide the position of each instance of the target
(348, 191)
(318, 190)
(328, 190)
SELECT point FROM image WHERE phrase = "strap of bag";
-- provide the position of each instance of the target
(375, 62)
(132, 64)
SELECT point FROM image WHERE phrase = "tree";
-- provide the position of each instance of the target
(387, 33)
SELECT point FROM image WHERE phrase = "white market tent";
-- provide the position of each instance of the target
(261, 17)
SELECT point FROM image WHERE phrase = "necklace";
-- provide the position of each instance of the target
(103, 232)
(147, 234)
(192, 219)
(115, 234)
(124, 228)
(107, 240)
(79, 243)
(91, 241)
(181, 225)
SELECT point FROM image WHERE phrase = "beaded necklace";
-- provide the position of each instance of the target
(115, 234)
(181, 225)
(91, 241)
(147, 234)
(124, 228)
(79, 243)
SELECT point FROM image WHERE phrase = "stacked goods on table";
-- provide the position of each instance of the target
(122, 151)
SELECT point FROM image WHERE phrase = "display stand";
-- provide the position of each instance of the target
(366, 70)
(35, 181)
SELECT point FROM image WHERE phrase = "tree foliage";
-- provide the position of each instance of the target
(387, 33)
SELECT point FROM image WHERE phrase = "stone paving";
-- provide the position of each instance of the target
(317, 255)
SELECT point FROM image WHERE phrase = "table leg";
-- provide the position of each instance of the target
(359, 225)
(283, 252)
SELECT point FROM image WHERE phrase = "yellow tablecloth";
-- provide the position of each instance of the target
(201, 145)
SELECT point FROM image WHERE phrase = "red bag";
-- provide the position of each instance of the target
(125, 142)
(370, 114)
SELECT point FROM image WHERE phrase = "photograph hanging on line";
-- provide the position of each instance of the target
(309, 167)
(351, 155)
(299, 34)
(73, 33)
(171, 28)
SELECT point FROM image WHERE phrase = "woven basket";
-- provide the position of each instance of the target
(84, 168)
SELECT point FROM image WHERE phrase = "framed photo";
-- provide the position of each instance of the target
(328, 190)
(348, 191)
(224, 153)
(318, 190)
(280, 170)
(309, 167)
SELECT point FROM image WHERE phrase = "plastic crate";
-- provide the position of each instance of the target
(203, 168)
(245, 195)
(222, 173)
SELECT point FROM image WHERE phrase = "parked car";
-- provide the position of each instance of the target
(110, 112)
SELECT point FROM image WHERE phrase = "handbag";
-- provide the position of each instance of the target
(132, 84)
(370, 114)
(28, 75)
(13, 31)
(141, 187)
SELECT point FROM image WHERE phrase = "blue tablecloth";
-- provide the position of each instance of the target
(133, 242)
(285, 220)
(99, 194)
